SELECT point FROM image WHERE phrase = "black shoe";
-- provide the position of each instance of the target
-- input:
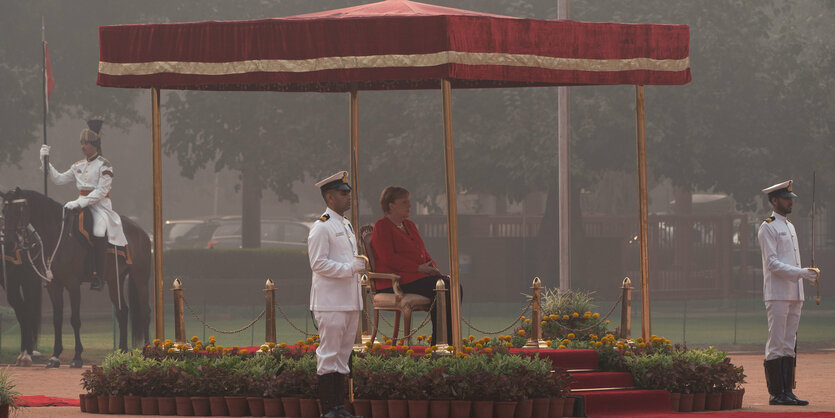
(96, 283)
(786, 399)
(798, 402)
(339, 412)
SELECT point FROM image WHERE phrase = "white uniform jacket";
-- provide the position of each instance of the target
(781, 260)
(93, 178)
(331, 247)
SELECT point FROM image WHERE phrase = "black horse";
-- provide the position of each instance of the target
(23, 291)
(68, 268)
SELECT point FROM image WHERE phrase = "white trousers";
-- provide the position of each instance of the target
(783, 319)
(107, 221)
(337, 333)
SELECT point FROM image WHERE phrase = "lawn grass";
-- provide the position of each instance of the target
(721, 323)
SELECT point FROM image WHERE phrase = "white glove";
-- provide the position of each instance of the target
(810, 273)
(44, 152)
(72, 205)
(358, 265)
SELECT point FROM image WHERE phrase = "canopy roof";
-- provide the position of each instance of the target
(393, 44)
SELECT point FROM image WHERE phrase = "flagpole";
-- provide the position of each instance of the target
(45, 108)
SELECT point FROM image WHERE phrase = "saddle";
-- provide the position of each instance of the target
(82, 222)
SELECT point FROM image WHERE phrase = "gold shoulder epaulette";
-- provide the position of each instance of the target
(769, 219)
(788, 220)
(324, 217)
(105, 162)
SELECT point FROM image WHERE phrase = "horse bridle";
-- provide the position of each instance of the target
(20, 229)
(27, 239)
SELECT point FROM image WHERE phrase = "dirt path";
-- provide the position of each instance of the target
(814, 384)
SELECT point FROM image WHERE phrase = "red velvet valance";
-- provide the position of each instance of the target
(393, 44)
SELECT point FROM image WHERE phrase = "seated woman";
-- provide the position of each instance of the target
(399, 249)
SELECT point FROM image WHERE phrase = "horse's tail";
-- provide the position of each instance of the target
(138, 283)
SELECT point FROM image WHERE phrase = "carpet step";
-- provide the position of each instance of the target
(596, 380)
(611, 403)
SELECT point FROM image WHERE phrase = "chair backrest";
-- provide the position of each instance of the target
(366, 232)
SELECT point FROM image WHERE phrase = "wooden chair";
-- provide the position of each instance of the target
(397, 302)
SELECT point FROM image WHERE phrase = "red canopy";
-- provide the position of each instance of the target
(393, 44)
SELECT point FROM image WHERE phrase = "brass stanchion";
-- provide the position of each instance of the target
(440, 316)
(179, 315)
(535, 339)
(360, 338)
(626, 309)
(270, 334)
(366, 309)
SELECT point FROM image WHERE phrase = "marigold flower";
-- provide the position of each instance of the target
(428, 355)
(548, 342)
(468, 350)
(243, 352)
(642, 345)
(522, 317)
(212, 339)
(561, 347)
(170, 351)
(316, 344)
(508, 345)
(410, 352)
(488, 350)
(639, 340)
(271, 344)
(571, 336)
(479, 346)
(566, 341)
(450, 348)
(595, 315)
(157, 341)
(282, 345)
(565, 317)
(527, 321)
(544, 323)
(265, 348)
(471, 337)
(377, 346)
(309, 340)
(575, 315)
(598, 344)
(521, 332)
(194, 339)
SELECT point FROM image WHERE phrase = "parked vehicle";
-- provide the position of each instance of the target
(188, 233)
(275, 233)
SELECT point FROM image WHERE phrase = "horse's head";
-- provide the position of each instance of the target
(15, 217)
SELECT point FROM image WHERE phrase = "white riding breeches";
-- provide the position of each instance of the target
(337, 333)
(783, 319)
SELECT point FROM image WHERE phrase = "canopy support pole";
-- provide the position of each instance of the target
(362, 324)
(642, 209)
(452, 219)
(156, 156)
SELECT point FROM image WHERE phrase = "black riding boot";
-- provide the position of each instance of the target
(341, 390)
(788, 380)
(99, 255)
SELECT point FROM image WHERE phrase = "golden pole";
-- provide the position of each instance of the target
(179, 313)
(156, 156)
(269, 332)
(642, 209)
(452, 220)
(362, 324)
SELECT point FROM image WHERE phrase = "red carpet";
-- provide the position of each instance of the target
(41, 400)
(734, 414)
(626, 403)
(587, 380)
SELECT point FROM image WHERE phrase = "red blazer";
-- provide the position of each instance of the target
(397, 252)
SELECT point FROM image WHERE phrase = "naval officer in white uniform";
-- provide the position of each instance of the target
(335, 292)
(93, 176)
(782, 292)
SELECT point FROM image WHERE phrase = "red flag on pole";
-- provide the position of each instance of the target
(50, 83)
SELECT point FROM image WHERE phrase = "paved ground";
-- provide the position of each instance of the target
(815, 371)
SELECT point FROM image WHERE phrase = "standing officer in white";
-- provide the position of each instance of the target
(93, 176)
(335, 293)
(782, 293)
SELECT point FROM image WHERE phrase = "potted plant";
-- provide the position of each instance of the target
(95, 383)
(8, 394)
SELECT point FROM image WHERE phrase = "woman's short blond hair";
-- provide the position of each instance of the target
(389, 195)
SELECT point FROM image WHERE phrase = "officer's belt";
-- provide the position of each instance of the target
(83, 192)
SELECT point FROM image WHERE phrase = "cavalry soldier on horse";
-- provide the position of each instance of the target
(93, 177)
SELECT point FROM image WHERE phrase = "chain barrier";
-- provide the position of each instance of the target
(602, 319)
(411, 332)
(518, 318)
(220, 330)
(286, 318)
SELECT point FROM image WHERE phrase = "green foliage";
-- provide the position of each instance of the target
(8, 394)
